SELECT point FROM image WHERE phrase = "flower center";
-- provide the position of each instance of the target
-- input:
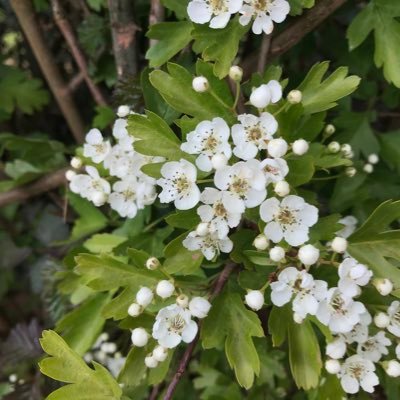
(356, 370)
(219, 210)
(337, 304)
(218, 6)
(286, 217)
(182, 184)
(271, 170)
(176, 324)
(129, 194)
(239, 186)
(261, 5)
(368, 345)
(396, 317)
(210, 143)
(100, 148)
(254, 134)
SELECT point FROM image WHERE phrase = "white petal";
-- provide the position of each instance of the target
(220, 21)
(349, 384)
(94, 136)
(255, 197)
(273, 231)
(281, 297)
(297, 236)
(234, 6)
(276, 90)
(170, 340)
(199, 12)
(210, 195)
(189, 199)
(203, 163)
(190, 332)
(269, 209)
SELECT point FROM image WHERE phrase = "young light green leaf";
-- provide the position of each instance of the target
(65, 365)
(103, 243)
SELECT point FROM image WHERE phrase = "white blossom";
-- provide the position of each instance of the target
(174, 324)
(289, 219)
(254, 299)
(216, 12)
(221, 210)
(350, 224)
(199, 307)
(300, 147)
(139, 337)
(244, 180)
(210, 244)
(352, 275)
(165, 289)
(200, 84)
(179, 184)
(210, 138)
(360, 331)
(374, 347)
(308, 254)
(394, 315)
(265, 13)
(160, 353)
(96, 148)
(392, 368)
(266, 94)
(277, 253)
(282, 188)
(339, 244)
(144, 296)
(277, 147)
(355, 372)
(275, 169)
(337, 348)
(252, 134)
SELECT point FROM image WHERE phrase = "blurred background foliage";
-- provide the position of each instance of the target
(35, 140)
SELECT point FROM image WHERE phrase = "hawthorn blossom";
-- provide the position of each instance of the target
(352, 275)
(275, 169)
(374, 347)
(221, 210)
(120, 132)
(337, 348)
(174, 324)
(350, 225)
(265, 94)
(288, 219)
(394, 315)
(120, 161)
(339, 312)
(355, 372)
(307, 292)
(210, 138)
(252, 134)
(209, 244)
(265, 13)
(217, 12)
(96, 148)
(179, 184)
(360, 332)
(244, 180)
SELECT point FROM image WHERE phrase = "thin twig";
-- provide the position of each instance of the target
(184, 361)
(123, 29)
(44, 184)
(264, 52)
(154, 392)
(156, 15)
(69, 35)
(26, 17)
(295, 32)
(74, 82)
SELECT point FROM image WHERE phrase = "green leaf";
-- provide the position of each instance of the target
(296, 6)
(134, 369)
(377, 245)
(103, 243)
(172, 37)
(390, 149)
(82, 326)
(278, 323)
(175, 86)
(319, 94)
(177, 6)
(301, 169)
(187, 219)
(117, 308)
(380, 16)
(105, 116)
(65, 365)
(220, 45)
(325, 228)
(231, 323)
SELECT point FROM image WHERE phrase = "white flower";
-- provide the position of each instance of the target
(150, 361)
(124, 195)
(152, 263)
(397, 350)
(210, 138)
(307, 292)
(182, 300)
(200, 84)
(266, 12)
(360, 332)
(339, 244)
(236, 73)
(300, 147)
(341, 313)
(123, 111)
(352, 275)
(337, 348)
(261, 242)
(392, 368)
(383, 285)
(174, 324)
(160, 353)
(217, 12)
(381, 320)
(282, 188)
(209, 244)
(165, 289)
(134, 310)
(373, 158)
(254, 299)
(144, 296)
(332, 366)
(356, 372)
(289, 219)
(350, 225)
(179, 184)
(252, 134)
(295, 96)
(275, 169)
(244, 180)
(221, 211)
(277, 253)
(96, 148)
(266, 94)
(374, 347)
(394, 315)
(139, 337)
(76, 162)
(120, 161)
(199, 307)
(277, 147)
(308, 254)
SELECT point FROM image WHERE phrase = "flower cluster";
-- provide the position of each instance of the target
(217, 13)
(127, 189)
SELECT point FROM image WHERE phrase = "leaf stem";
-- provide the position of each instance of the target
(237, 95)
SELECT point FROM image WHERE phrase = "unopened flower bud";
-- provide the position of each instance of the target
(381, 320)
(373, 158)
(13, 378)
(261, 242)
(330, 129)
(297, 318)
(384, 286)
(300, 147)
(200, 84)
(368, 168)
(339, 244)
(336, 349)
(282, 188)
(160, 353)
(99, 198)
(346, 149)
(152, 263)
(144, 296)
(202, 229)
(294, 97)
(182, 300)
(134, 310)
(108, 347)
(277, 254)
(219, 160)
(139, 337)
(123, 111)
(236, 73)
(308, 254)
(150, 361)
(254, 299)
(333, 147)
(260, 97)
(76, 162)
(350, 171)
(165, 289)
(332, 366)
(199, 307)
(277, 147)
(392, 368)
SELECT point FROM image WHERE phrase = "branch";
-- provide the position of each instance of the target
(264, 53)
(26, 17)
(44, 184)
(68, 33)
(295, 32)
(156, 15)
(123, 30)
(183, 363)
